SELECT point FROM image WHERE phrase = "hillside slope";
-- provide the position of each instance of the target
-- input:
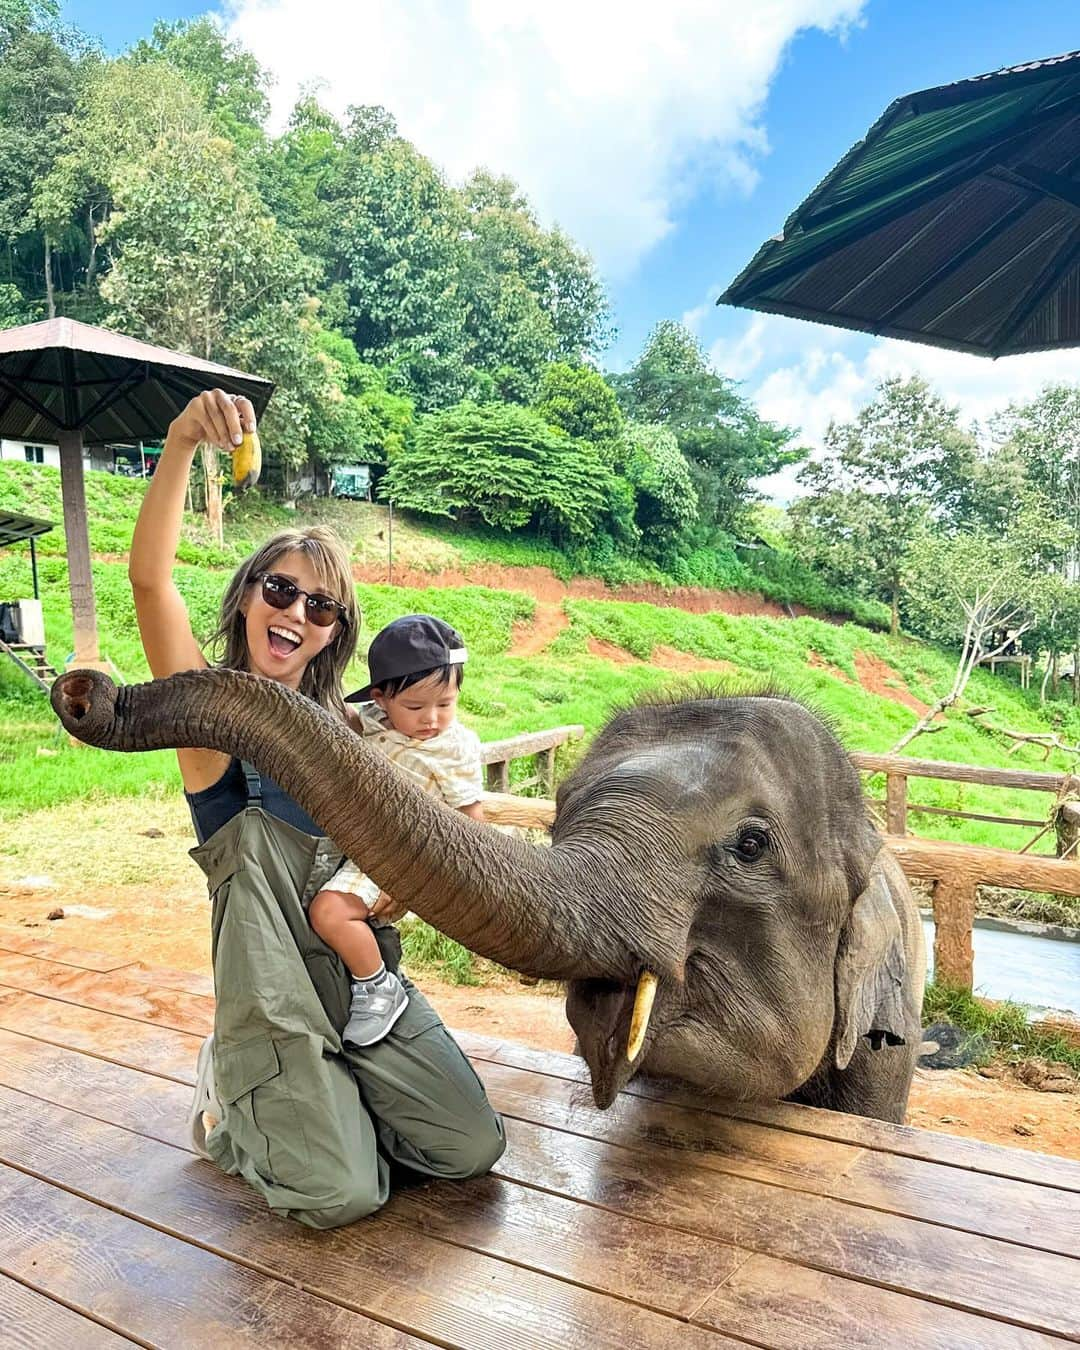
(547, 650)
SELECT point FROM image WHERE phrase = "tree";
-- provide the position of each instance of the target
(356, 418)
(530, 295)
(665, 499)
(227, 80)
(42, 67)
(725, 441)
(974, 588)
(579, 401)
(195, 261)
(503, 464)
(886, 475)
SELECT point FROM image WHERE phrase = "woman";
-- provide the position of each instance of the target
(312, 1125)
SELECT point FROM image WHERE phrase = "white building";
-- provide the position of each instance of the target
(94, 456)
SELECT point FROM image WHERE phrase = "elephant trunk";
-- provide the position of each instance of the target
(550, 912)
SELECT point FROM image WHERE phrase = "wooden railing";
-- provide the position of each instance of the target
(898, 769)
(496, 756)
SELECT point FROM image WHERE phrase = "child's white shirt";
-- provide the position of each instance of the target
(446, 766)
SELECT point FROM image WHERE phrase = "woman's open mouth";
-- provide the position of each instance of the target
(282, 641)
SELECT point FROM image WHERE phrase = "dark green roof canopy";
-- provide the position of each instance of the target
(955, 222)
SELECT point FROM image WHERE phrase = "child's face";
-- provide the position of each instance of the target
(423, 710)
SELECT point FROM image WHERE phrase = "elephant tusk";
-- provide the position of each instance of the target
(639, 1021)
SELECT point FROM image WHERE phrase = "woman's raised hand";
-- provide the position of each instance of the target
(215, 417)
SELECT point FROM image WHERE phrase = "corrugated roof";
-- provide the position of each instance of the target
(955, 221)
(14, 529)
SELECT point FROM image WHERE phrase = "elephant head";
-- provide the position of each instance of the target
(710, 858)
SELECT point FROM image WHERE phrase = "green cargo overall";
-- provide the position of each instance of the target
(313, 1125)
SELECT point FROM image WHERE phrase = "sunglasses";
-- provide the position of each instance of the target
(279, 593)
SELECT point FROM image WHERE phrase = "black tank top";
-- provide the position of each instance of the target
(241, 785)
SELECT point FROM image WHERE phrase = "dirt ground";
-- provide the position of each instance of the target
(121, 877)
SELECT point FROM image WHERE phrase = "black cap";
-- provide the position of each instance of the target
(406, 647)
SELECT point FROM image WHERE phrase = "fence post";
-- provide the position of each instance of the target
(498, 776)
(954, 917)
(896, 803)
(545, 770)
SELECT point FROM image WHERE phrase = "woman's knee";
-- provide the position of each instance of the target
(486, 1146)
(347, 1206)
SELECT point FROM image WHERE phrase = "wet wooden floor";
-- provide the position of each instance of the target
(673, 1222)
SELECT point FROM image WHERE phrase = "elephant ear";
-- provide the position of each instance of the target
(870, 972)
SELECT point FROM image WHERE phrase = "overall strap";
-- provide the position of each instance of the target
(254, 783)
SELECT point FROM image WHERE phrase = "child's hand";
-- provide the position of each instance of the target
(386, 907)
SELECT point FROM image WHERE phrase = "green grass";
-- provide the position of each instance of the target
(425, 948)
(1004, 1026)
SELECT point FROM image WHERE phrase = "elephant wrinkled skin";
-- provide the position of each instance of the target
(718, 843)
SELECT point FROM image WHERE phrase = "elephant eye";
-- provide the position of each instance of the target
(751, 844)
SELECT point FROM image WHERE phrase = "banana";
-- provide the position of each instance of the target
(247, 461)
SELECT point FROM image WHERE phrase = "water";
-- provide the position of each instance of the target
(1041, 972)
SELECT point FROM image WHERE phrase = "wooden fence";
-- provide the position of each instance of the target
(496, 756)
(898, 769)
(955, 870)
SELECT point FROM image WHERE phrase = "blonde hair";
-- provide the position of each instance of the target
(322, 678)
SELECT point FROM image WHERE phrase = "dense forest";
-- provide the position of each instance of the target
(444, 334)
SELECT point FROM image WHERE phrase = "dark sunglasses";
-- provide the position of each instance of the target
(279, 592)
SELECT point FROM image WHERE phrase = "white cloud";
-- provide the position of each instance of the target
(608, 114)
(805, 375)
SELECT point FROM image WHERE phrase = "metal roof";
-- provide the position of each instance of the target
(954, 222)
(14, 529)
(65, 375)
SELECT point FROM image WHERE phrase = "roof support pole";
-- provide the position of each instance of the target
(78, 547)
(33, 566)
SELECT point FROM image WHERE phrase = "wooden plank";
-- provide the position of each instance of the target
(446, 1293)
(527, 743)
(649, 1261)
(1041, 1169)
(114, 992)
(793, 1308)
(930, 859)
(21, 944)
(994, 1206)
(656, 1267)
(1036, 1216)
(723, 1143)
(158, 1288)
(954, 921)
(140, 1102)
(30, 1321)
(532, 1227)
(529, 813)
(1029, 779)
(18, 941)
(158, 1050)
(896, 803)
(979, 1274)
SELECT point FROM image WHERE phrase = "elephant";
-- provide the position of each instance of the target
(714, 895)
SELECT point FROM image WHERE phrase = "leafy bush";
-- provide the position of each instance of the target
(503, 464)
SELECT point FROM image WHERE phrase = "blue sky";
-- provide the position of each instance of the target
(670, 144)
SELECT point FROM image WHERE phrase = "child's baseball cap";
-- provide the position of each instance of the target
(406, 647)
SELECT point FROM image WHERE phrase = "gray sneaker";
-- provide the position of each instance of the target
(205, 1110)
(376, 1005)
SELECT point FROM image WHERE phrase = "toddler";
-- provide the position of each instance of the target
(410, 711)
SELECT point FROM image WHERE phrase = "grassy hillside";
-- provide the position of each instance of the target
(574, 679)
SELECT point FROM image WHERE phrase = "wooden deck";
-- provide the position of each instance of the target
(659, 1223)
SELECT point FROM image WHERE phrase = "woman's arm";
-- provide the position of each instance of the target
(164, 625)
